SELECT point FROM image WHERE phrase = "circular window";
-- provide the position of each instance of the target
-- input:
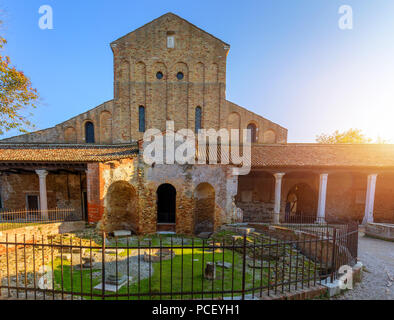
(179, 75)
(159, 75)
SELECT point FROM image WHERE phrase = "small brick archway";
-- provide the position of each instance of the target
(204, 208)
(121, 207)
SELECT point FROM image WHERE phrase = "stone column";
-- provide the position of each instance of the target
(278, 191)
(370, 198)
(321, 208)
(42, 175)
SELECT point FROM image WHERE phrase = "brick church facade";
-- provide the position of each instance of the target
(166, 70)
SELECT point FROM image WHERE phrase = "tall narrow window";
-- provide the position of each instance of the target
(253, 132)
(198, 119)
(141, 117)
(89, 132)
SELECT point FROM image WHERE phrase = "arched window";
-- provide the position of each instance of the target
(141, 118)
(89, 132)
(198, 118)
(253, 132)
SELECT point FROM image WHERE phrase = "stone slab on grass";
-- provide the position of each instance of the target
(122, 233)
(112, 287)
(204, 235)
(225, 265)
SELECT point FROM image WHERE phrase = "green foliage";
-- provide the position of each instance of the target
(16, 96)
(349, 136)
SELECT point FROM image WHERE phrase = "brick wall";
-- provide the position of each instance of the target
(63, 190)
(138, 57)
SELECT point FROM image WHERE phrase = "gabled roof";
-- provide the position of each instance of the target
(169, 14)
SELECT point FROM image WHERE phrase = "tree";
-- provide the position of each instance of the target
(17, 95)
(349, 136)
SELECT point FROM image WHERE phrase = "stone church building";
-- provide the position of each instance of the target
(170, 69)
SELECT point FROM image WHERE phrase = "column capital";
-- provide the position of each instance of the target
(324, 175)
(42, 173)
(373, 175)
(279, 175)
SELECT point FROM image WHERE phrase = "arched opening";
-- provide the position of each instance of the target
(301, 203)
(89, 132)
(121, 207)
(253, 132)
(204, 208)
(166, 204)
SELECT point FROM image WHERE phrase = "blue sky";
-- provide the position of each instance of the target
(289, 61)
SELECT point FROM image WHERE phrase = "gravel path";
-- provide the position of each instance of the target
(378, 258)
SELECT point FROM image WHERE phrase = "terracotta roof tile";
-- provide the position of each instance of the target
(323, 155)
(65, 153)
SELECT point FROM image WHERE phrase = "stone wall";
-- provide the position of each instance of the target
(257, 211)
(42, 230)
(139, 213)
(204, 208)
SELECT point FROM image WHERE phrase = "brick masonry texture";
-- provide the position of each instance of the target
(138, 56)
(122, 195)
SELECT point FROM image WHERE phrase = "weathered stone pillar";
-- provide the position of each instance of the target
(42, 175)
(370, 198)
(278, 191)
(321, 208)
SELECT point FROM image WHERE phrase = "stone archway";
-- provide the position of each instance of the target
(166, 204)
(122, 207)
(302, 201)
(204, 208)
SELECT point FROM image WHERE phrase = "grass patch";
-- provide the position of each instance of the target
(187, 276)
(14, 225)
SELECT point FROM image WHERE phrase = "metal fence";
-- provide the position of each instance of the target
(172, 267)
(11, 219)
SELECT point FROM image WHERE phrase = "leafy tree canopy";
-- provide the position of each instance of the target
(349, 136)
(17, 95)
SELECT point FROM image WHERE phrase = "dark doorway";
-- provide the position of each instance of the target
(166, 200)
(32, 202)
(33, 205)
(301, 201)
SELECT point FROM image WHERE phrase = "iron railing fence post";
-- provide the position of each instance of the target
(333, 264)
(244, 267)
(103, 265)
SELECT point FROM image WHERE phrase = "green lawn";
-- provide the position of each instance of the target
(184, 279)
(184, 273)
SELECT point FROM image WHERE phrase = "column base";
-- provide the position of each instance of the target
(276, 219)
(366, 221)
(320, 221)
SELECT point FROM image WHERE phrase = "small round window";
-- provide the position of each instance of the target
(179, 76)
(159, 75)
